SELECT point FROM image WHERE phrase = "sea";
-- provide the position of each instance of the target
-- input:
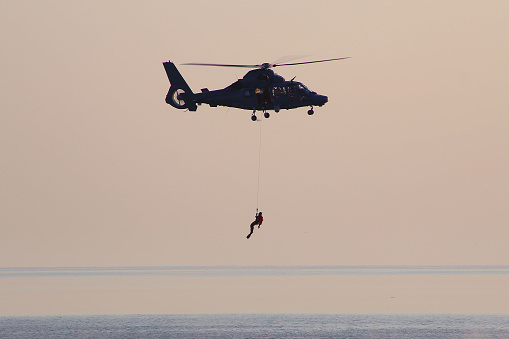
(257, 326)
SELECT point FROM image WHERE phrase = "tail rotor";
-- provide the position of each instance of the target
(176, 98)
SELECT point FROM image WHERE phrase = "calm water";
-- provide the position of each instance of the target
(257, 326)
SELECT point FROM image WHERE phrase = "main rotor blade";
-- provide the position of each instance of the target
(221, 65)
(265, 65)
(308, 62)
(288, 58)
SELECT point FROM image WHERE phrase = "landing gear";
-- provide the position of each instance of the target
(311, 112)
(265, 114)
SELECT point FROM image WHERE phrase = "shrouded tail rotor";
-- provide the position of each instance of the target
(175, 98)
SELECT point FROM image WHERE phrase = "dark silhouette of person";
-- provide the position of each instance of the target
(258, 221)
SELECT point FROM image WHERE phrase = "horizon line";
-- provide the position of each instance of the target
(245, 270)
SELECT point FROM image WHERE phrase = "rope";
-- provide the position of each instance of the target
(259, 166)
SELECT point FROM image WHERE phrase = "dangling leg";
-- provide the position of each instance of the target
(252, 228)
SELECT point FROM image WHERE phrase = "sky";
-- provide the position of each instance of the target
(405, 165)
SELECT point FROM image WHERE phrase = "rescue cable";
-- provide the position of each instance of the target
(259, 166)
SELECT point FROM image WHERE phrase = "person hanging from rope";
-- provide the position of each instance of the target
(258, 221)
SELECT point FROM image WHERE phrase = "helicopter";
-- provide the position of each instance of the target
(261, 89)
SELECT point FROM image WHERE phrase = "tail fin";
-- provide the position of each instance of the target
(180, 95)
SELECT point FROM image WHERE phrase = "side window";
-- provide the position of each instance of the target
(278, 91)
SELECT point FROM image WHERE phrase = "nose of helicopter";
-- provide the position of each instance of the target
(320, 100)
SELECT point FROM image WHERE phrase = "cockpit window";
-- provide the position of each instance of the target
(303, 87)
(297, 86)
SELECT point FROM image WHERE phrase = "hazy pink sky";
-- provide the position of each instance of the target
(406, 164)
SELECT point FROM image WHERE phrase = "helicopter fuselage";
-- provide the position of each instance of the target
(263, 97)
(258, 90)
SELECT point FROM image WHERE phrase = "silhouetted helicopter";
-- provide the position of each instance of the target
(259, 90)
